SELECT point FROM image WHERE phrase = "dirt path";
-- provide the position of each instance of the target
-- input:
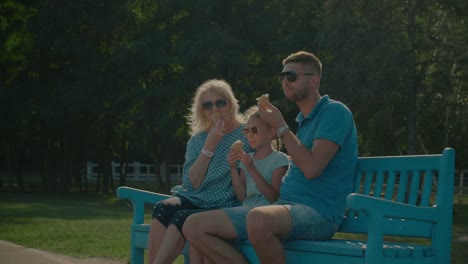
(15, 254)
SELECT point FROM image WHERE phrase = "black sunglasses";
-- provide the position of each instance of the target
(291, 76)
(220, 103)
(253, 130)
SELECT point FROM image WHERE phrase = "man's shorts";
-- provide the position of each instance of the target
(308, 224)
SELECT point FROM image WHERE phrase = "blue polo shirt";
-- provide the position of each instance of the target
(330, 120)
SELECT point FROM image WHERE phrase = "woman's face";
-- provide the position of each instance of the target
(215, 107)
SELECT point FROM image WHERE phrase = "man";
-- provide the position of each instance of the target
(324, 158)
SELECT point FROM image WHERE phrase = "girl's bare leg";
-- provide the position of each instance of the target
(171, 246)
(208, 232)
(155, 238)
(195, 256)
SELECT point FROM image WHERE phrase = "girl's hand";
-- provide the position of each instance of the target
(232, 158)
(246, 159)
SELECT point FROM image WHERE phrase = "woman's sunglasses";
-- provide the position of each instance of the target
(291, 76)
(252, 130)
(220, 103)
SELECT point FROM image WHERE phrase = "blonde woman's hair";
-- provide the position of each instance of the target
(252, 112)
(197, 120)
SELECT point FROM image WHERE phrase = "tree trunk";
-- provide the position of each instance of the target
(19, 174)
(123, 161)
(412, 103)
(13, 157)
(10, 165)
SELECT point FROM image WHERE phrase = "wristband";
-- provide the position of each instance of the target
(280, 131)
(207, 153)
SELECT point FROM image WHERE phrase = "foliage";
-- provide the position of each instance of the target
(112, 80)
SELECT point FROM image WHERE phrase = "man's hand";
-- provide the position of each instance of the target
(272, 116)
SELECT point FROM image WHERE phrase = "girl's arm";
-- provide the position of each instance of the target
(238, 180)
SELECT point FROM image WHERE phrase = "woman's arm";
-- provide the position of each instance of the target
(199, 168)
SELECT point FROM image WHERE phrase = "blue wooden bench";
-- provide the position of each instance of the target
(397, 200)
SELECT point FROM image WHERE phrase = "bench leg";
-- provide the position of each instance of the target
(137, 256)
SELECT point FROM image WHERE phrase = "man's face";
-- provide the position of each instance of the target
(295, 82)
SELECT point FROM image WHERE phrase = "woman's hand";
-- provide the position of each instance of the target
(215, 135)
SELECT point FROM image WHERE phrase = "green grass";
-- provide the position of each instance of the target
(78, 225)
(91, 225)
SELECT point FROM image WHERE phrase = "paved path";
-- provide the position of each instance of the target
(15, 254)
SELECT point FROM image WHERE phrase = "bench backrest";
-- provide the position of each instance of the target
(419, 180)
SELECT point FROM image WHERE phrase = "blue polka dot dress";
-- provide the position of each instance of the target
(216, 190)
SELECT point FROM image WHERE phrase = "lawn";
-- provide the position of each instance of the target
(90, 225)
(78, 225)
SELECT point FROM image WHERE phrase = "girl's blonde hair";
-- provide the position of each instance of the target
(252, 112)
(197, 120)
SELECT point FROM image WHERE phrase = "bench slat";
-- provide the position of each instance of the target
(427, 188)
(414, 189)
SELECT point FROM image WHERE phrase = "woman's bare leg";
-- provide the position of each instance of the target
(157, 232)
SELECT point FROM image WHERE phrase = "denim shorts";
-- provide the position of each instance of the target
(308, 224)
(238, 215)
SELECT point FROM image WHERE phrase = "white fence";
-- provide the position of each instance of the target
(137, 171)
(461, 176)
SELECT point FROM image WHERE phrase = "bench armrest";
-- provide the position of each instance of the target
(375, 210)
(139, 198)
(376, 207)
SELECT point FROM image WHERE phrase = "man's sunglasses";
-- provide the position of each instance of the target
(220, 103)
(291, 76)
(252, 130)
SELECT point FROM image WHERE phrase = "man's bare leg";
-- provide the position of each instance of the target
(265, 226)
(208, 232)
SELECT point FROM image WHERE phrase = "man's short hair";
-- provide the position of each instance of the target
(305, 58)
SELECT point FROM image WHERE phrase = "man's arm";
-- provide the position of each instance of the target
(310, 161)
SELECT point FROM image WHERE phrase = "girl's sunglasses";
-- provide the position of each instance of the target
(252, 130)
(291, 76)
(220, 103)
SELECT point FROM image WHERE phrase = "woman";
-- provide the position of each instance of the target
(215, 124)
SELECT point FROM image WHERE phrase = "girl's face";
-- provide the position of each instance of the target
(258, 133)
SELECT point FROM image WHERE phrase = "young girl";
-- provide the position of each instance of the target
(256, 183)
